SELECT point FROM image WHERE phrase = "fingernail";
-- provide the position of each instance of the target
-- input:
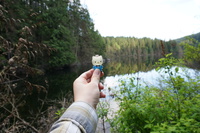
(97, 72)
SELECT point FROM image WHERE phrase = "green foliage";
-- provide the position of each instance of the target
(174, 107)
(103, 109)
(195, 36)
(192, 50)
(168, 63)
(63, 54)
(68, 28)
(105, 112)
(60, 112)
(62, 24)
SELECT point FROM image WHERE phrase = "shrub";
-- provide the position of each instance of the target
(172, 108)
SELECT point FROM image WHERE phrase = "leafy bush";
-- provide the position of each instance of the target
(173, 108)
(191, 50)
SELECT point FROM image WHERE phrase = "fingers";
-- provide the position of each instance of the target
(102, 95)
(102, 74)
(96, 76)
(101, 87)
(87, 75)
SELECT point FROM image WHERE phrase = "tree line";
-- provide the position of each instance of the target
(66, 26)
(131, 46)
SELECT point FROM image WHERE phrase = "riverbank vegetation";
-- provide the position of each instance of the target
(171, 107)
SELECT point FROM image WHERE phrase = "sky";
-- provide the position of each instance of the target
(161, 19)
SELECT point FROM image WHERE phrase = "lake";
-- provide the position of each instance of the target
(59, 83)
(146, 79)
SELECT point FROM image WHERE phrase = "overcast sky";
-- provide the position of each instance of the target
(162, 19)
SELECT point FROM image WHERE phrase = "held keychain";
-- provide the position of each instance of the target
(97, 62)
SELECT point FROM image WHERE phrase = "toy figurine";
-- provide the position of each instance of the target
(97, 62)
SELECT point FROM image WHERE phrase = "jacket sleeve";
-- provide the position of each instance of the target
(79, 117)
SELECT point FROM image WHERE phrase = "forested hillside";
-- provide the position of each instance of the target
(130, 46)
(195, 36)
(66, 27)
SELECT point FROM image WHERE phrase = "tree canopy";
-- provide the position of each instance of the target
(136, 47)
(63, 25)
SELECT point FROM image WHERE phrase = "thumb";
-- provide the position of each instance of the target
(96, 76)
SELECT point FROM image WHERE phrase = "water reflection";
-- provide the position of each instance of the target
(149, 78)
(128, 65)
(60, 82)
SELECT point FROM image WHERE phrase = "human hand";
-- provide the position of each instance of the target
(87, 87)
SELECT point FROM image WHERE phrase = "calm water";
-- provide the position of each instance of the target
(60, 82)
(148, 78)
(143, 70)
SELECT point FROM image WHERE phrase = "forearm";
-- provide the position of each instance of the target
(79, 117)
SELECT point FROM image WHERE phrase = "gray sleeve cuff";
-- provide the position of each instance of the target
(83, 114)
